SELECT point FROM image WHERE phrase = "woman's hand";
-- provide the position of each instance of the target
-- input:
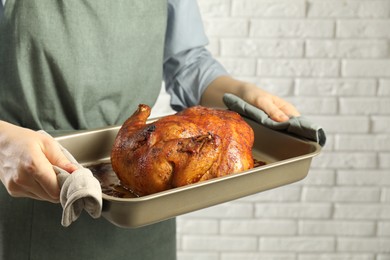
(277, 108)
(26, 159)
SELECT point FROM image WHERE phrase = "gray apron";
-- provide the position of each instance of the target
(68, 65)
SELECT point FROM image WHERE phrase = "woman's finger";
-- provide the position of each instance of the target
(54, 154)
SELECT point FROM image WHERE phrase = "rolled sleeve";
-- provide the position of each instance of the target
(188, 66)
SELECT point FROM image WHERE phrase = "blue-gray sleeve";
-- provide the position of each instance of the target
(188, 66)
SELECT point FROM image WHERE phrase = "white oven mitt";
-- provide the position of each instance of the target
(299, 126)
(79, 190)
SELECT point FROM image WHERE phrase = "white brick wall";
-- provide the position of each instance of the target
(331, 58)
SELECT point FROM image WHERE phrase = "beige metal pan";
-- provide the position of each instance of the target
(288, 160)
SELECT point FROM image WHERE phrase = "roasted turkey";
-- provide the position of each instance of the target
(193, 145)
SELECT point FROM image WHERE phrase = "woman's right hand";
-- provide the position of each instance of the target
(26, 159)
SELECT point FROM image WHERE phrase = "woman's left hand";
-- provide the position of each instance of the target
(277, 108)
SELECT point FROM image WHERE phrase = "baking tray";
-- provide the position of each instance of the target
(287, 158)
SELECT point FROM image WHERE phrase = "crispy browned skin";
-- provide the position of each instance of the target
(193, 145)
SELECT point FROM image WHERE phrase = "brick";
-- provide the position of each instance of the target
(219, 243)
(345, 160)
(282, 194)
(377, 142)
(366, 68)
(258, 227)
(315, 105)
(197, 226)
(384, 160)
(372, 211)
(369, 177)
(348, 9)
(213, 46)
(293, 210)
(337, 228)
(343, 124)
(322, 177)
(384, 228)
(257, 256)
(268, 8)
(329, 138)
(225, 210)
(341, 194)
(278, 86)
(380, 124)
(337, 256)
(297, 244)
(384, 87)
(363, 28)
(383, 257)
(335, 87)
(239, 66)
(226, 27)
(346, 48)
(297, 67)
(261, 48)
(378, 245)
(290, 28)
(197, 255)
(214, 8)
(365, 106)
(385, 195)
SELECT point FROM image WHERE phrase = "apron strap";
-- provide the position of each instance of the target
(1, 10)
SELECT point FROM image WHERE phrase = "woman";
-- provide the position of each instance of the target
(70, 65)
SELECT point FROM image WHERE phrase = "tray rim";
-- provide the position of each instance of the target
(112, 206)
(316, 149)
